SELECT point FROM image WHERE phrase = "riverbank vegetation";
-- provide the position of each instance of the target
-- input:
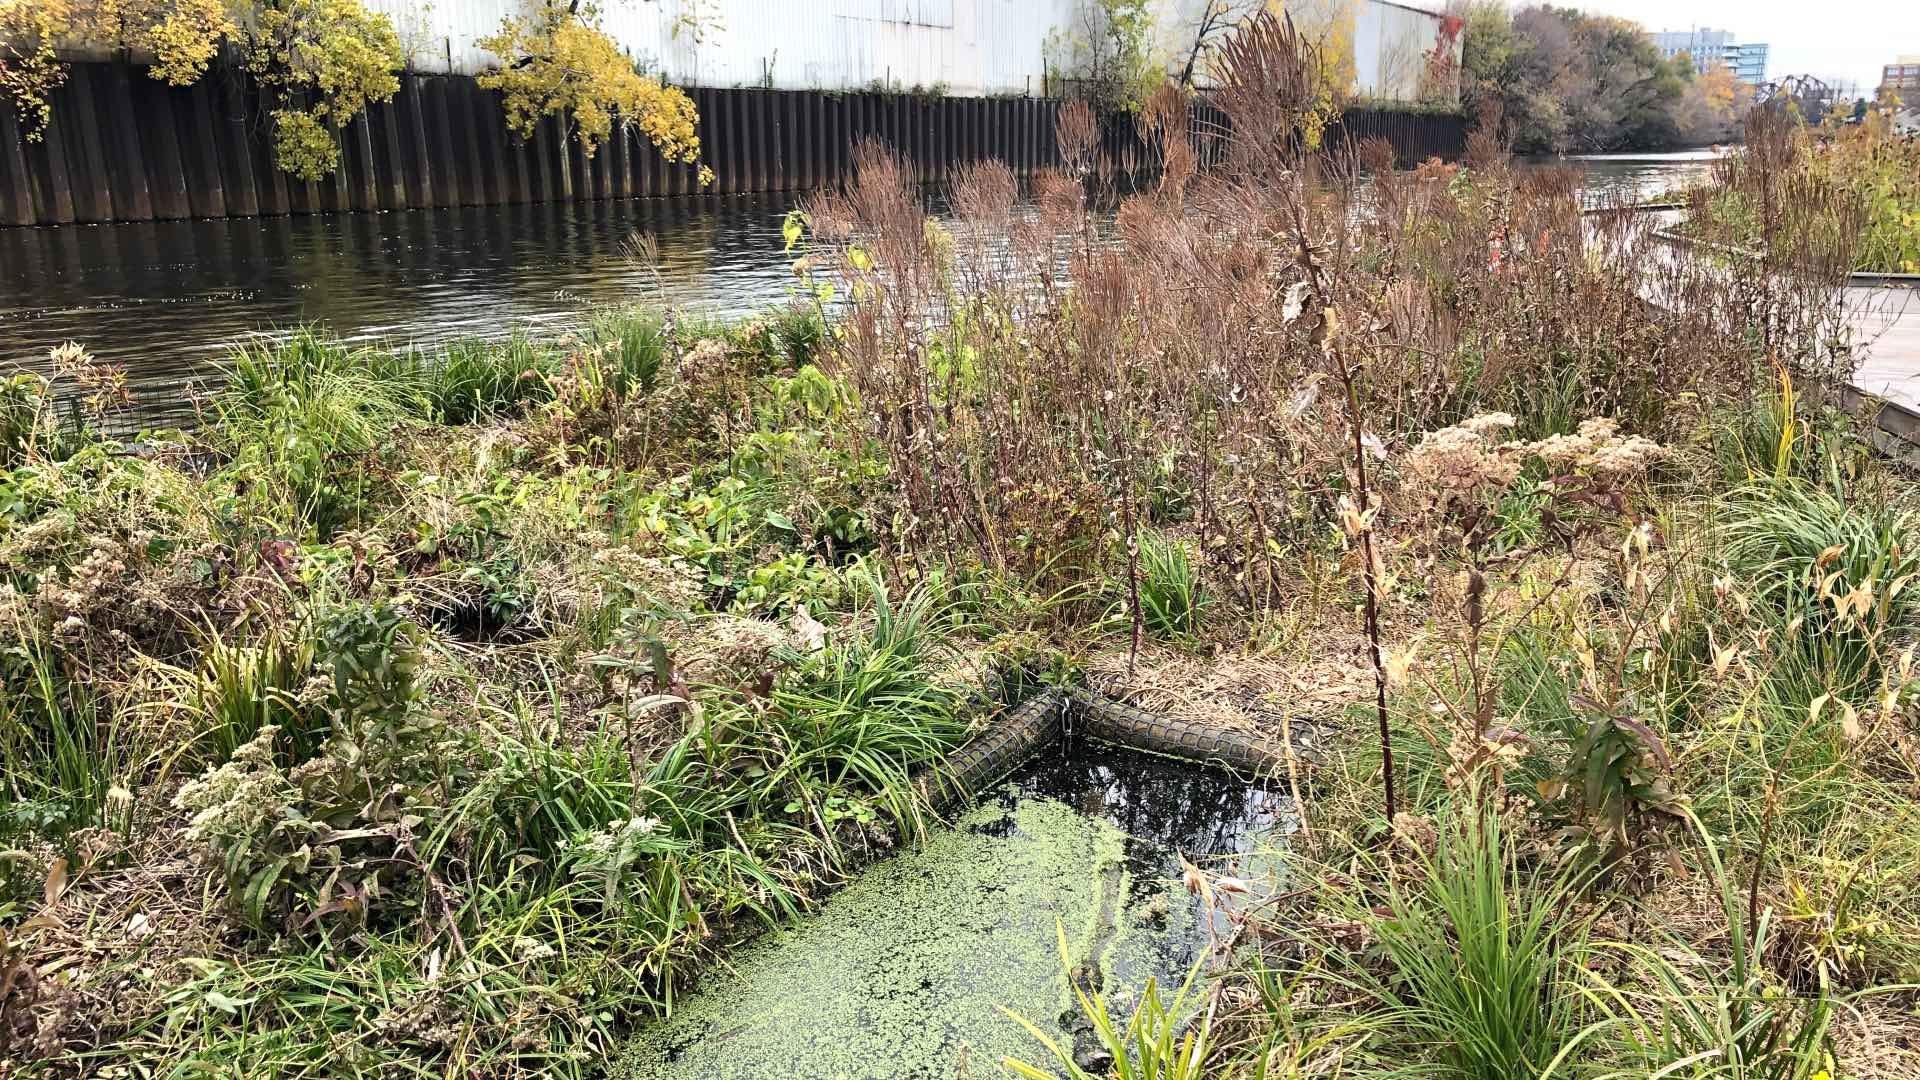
(1873, 225)
(446, 714)
(1564, 80)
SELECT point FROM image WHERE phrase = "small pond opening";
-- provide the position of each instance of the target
(903, 974)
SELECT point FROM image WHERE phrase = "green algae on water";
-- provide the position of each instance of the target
(904, 972)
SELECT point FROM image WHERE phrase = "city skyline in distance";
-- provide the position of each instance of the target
(1845, 41)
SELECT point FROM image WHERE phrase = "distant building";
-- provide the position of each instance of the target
(1902, 76)
(963, 47)
(1703, 44)
(1716, 48)
(1748, 62)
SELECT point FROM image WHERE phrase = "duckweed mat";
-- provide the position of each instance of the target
(904, 972)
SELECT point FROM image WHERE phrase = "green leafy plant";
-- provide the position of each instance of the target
(1616, 777)
(1481, 963)
(1160, 1040)
(1172, 596)
(1722, 1015)
(334, 834)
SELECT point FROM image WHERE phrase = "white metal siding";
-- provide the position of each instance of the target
(969, 47)
(1396, 43)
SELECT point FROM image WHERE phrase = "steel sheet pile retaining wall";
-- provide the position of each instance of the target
(122, 147)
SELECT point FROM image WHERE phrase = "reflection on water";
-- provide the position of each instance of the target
(166, 298)
(1638, 177)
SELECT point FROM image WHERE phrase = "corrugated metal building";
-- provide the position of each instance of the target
(1392, 43)
(966, 47)
(969, 47)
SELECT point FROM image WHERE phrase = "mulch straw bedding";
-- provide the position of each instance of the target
(1249, 693)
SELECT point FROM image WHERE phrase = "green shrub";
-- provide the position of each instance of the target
(1172, 597)
(473, 380)
(332, 835)
(1481, 964)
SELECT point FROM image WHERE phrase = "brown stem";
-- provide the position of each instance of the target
(1316, 281)
(1133, 583)
(1760, 857)
(1373, 593)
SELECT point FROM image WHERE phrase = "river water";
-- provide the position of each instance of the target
(168, 298)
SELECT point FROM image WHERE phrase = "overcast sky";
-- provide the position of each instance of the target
(1834, 39)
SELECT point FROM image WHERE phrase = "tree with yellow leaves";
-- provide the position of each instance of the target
(182, 35)
(557, 61)
(29, 70)
(325, 61)
(1329, 26)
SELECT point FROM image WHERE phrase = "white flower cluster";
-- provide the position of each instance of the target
(95, 584)
(707, 355)
(1462, 465)
(608, 853)
(243, 797)
(1597, 448)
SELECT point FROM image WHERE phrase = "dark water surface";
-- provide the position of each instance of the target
(167, 299)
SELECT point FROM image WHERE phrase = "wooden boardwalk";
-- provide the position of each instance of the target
(1886, 333)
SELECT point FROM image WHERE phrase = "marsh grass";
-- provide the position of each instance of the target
(1481, 960)
(1832, 575)
(865, 713)
(1727, 1015)
(636, 344)
(475, 381)
(753, 569)
(245, 687)
(62, 753)
(1172, 595)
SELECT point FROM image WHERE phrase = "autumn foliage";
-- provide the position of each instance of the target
(558, 62)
